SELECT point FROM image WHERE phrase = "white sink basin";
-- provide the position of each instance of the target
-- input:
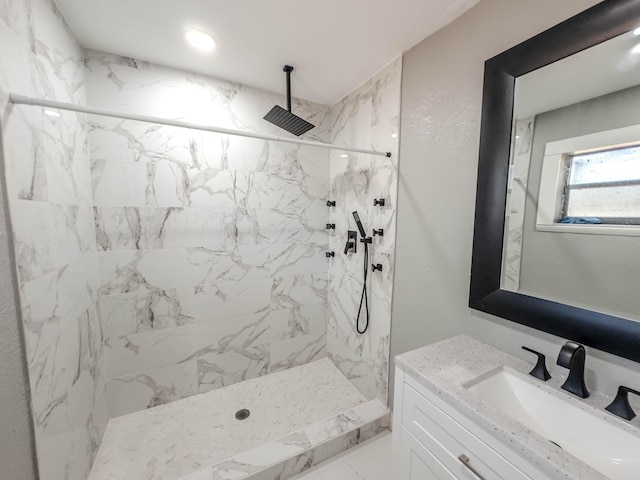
(601, 445)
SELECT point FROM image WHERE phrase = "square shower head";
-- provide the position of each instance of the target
(288, 121)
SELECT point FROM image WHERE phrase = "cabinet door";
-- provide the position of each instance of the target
(417, 463)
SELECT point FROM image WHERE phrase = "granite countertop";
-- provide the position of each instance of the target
(445, 367)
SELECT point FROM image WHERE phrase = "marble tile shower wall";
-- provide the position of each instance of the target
(47, 170)
(370, 115)
(211, 248)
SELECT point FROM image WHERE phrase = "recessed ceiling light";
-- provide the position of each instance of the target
(394, 135)
(200, 40)
(52, 113)
(344, 155)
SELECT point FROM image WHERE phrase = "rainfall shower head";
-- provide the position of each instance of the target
(284, 118)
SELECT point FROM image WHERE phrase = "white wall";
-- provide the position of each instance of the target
(441, 111)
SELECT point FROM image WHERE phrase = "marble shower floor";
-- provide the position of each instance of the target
(173, 440)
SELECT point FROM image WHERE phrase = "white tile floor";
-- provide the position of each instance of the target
(371, 460)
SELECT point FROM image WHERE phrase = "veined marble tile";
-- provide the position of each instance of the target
(69, 454)
(385, 115)
(294, 259)
(65, 374)
(136, 228)
(187, 96)
(149, 389)
(351, 118)
(117, 184)
(267, 191)
(299, 350)
(130, 141)
(298, 290)
(217, 370)
(47, 158)
(288, 323)
(143, 351)
(60, 296)
(144, 270)
(14, 16)
(49, 236)
(275, 227)
(309, 165)
(165, 183)
(156, 308)
(349, 420)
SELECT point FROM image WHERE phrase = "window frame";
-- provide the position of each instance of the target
(555, 171)
(569, 188)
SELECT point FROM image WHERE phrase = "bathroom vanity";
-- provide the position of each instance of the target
(456, 417)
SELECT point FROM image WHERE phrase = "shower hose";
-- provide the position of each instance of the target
(364, 299)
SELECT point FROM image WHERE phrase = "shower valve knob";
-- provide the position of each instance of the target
(330, 254)
(379, 232)
(378, 202)
(331, 203)
(376, 266)
(331, 226)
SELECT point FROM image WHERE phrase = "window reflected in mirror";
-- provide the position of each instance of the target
(603, 187)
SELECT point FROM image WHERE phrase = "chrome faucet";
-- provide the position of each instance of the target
(572, 356)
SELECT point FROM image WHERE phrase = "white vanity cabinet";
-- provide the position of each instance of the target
(433, 441)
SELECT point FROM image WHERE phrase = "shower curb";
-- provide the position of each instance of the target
(289, 455)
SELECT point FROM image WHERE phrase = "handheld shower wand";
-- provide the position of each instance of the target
(364, 299)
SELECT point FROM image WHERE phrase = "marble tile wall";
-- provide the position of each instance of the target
(48, 177)
(516, 202)
(367, 117)
(211, 248)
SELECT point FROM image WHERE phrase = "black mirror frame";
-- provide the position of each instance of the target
(615, 335)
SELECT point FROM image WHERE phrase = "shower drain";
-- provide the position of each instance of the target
(242, 414)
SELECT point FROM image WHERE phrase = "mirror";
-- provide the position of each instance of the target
(545, 253)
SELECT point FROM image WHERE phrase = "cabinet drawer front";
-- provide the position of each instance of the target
(448, 440)
(418, 463)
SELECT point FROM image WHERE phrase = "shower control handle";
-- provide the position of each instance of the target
(379, 232)
(352, 242)
(376, 266)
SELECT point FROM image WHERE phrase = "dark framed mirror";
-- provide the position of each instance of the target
(599, 328)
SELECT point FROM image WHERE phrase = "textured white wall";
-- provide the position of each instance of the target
(441, 110)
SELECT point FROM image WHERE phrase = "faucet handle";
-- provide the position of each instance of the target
(567, 352)
(540, 370)
(620, 405)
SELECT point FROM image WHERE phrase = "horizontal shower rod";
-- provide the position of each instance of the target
(23, 100)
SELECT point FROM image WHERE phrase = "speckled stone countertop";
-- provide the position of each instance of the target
(446, 367)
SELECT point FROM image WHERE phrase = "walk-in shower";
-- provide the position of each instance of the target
(181, 317)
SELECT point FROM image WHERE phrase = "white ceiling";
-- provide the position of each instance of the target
(334, 45)
(605, 68)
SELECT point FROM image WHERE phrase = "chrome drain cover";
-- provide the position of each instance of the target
(242, 414)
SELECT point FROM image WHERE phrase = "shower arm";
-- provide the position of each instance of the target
(40, 102)
(288, 69)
